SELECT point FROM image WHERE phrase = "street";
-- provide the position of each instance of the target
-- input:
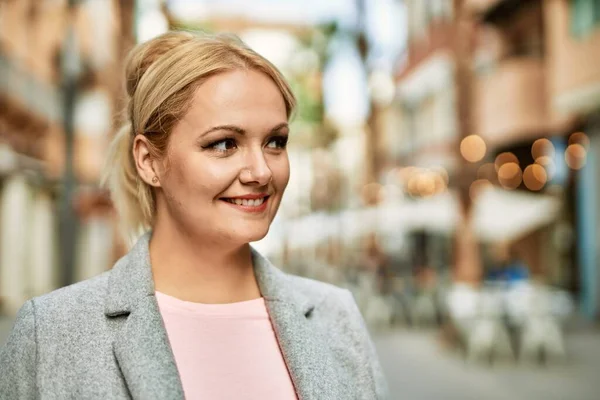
(419, 368)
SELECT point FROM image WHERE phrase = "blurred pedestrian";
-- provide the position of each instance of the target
(508, 268)
(193, 310)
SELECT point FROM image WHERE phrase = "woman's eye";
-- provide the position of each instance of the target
(279, 142)
(223, 145)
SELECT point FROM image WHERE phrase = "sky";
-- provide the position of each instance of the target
(298, 11)
(385, 18)
(345, 81)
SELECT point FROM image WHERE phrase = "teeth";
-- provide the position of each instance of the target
(247, 203)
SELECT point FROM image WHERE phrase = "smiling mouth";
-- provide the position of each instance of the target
(258, 204)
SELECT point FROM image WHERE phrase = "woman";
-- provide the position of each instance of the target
(192, 310)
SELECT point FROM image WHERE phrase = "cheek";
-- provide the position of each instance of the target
(281, 172)
(216, 176)
(200, 176)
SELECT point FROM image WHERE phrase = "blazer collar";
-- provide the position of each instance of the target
(142, 348)
(131, 280)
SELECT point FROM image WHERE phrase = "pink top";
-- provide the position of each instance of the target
(225, 351)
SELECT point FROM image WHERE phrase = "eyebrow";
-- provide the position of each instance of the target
(238, 130)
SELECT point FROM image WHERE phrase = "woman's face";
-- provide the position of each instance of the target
(227, 164)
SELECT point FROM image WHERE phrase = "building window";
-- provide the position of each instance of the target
(585, 16)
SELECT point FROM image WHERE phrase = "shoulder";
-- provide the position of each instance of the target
(90, 293)
(62, 311)
(81, 296)
(73, 307)
(337, 312)
(66, 318)
(49, 329)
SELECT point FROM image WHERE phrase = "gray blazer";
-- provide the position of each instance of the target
(104, 338)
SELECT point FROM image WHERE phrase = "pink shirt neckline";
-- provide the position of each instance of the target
(254, 308)
(226, 351)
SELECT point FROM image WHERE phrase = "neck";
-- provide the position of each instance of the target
(200, 271)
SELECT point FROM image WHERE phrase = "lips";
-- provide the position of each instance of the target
(249, 203)
(246, 202)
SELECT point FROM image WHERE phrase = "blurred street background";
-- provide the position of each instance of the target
(445, 165)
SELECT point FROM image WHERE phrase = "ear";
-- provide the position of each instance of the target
(144, 163)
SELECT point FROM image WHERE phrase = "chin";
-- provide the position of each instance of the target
(249, 234)
(257, 236)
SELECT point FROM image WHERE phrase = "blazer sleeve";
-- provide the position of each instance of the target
(364, 338)
(18, 357)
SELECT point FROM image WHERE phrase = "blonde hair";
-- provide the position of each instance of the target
(162, 75)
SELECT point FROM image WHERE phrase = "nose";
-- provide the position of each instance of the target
(256, 171)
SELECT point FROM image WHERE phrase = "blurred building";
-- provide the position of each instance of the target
(423, 137)
(538, 96)
(535, 101)
(33, 142)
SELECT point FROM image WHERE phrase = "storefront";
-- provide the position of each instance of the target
(587, 203)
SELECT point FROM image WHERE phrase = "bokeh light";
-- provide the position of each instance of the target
(473, 148)
(580, 138)
(549, 165)
(405, 173)
(413, 185)
(575, 156)
(510, 175)
(542, 148)
(426, 185)
(427, 182)
(504, 158)
(535, 177)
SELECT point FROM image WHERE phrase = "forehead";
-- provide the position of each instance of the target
(243, 97)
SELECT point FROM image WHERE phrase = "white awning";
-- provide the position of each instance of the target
(501, 215)
(498, 215)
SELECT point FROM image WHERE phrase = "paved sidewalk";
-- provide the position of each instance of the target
(419, 368)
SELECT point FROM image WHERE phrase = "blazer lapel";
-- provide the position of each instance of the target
(304, 347)
(145, 356)
(141, 346)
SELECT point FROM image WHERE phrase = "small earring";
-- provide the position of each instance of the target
(155, 180)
